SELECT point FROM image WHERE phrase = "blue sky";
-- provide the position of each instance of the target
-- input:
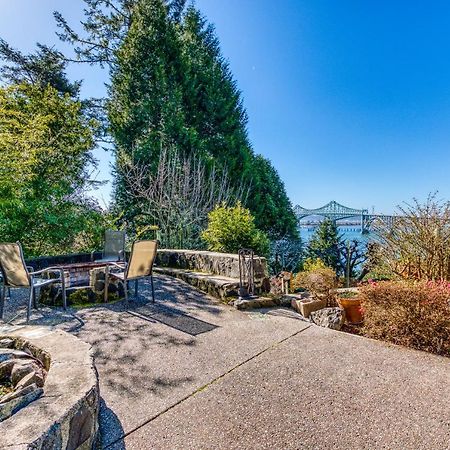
(349, 99)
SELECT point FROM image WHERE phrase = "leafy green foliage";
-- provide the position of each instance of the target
(172, 89)
(269, 202)
(46, 143)
(318, 279)
(311, 264)
(44, 67)
(231, 228)
(324, 245)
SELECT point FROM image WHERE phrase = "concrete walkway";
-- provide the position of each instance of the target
(188, 373)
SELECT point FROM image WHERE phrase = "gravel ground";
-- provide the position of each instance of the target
(15, 313)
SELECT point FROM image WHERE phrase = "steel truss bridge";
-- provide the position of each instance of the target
(335, 211)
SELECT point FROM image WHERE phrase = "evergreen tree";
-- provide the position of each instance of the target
(145, 108)
(46, 137)
(44, 67)
(172, 89)
(45, 143)
(269, 202)
(212, 100)
(324, 245)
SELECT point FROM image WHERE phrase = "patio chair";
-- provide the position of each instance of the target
(142, 257)
(8, 290)
(17, 275)
(114, 249)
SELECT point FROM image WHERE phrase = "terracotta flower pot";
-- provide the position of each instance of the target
(352, 308)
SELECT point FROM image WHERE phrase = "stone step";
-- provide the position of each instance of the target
(215, 285)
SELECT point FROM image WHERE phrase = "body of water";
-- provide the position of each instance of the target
(347, 232)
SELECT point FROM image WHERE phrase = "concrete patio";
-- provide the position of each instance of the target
(190, 373)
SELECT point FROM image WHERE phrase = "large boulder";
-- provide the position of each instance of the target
(333, 318)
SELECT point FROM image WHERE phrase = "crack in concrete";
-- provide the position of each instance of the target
(205, 386)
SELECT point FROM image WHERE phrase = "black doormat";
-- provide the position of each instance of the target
(178, 320)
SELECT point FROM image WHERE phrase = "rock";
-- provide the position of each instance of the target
(15, 402)
(305, 306)
(36, 378)
(329, 318)
(6, 368)
(285, 300)
(18, 393)
(6, 353)
(25, 381)
(7, 343)
(22, 369)
(81, 426)
(251, 303)
(222, 264)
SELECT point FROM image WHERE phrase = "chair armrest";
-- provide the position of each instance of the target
(49, 269)
(114, 264)
(30, 269)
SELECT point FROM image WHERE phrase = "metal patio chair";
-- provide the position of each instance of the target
(143, 254)
(114, 247)
(16, 274)
(8, 290)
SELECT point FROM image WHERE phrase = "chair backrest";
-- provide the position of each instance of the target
(114, 245)
(12, 265)
(143, 255)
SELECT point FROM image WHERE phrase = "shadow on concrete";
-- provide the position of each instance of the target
(173, 292)
(111, 430)
(174, 318)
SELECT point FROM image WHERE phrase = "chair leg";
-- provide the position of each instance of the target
(2, 301)
(30, 303)
(136, 288)
(125, 288)
(63, 293)
(106, 292)
(153, 288)
(35, 304)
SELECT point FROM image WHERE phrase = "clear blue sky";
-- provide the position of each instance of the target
(349, 99)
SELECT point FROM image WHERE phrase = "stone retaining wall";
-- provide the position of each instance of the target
(43, 262)
(223, 264)
(65, 417)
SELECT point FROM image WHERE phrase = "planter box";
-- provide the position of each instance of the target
(305, 306)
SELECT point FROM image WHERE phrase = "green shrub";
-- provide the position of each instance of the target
(311, 264)
(231, 228)
(317, 278)
(348, 294)
(416, 315)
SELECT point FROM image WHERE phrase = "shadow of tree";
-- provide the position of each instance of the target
(122, 343)
(171, 292)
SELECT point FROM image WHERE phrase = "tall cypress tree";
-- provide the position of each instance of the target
(215, 109)
(269, 201)
(172, 88)
(212, 100)
(145, 108)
